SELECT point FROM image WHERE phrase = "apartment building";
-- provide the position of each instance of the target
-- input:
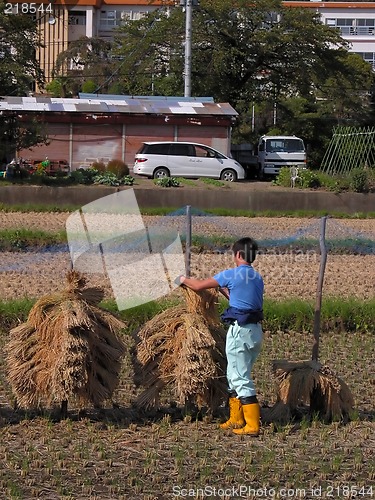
(62, 22)
(355, 20)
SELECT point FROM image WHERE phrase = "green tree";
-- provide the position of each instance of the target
(55, 88)
(18, 44)
(16, 135)
(151, 54)
(346, 93)
(92, 61)
(19, 73)
(340, 99)
(89, 86)
(259, 54)
(240, 50)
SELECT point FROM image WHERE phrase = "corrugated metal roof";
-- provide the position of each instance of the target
(119, 104)
(117, 97)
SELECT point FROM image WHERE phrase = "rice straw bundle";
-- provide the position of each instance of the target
(309, 383)
(67, 347)
(183, 348)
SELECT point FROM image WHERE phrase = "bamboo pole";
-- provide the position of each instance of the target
(188, 241)
(318, 302)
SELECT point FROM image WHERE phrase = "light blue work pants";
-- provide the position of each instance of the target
(243, 345)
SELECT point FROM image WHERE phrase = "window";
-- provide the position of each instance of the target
(347, 26)
(203, 152)
(138, 15)
(77, 19)
(353, 27)
(156, 149)
(365, 26)
(272, 146)
(294, 145)
(206, 152)
(284, 146)
(180, 150)
(109, 19)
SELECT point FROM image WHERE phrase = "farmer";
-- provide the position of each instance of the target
(243, 286)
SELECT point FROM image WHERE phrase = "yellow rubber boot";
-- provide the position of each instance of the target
(251, 414)
(236, 418)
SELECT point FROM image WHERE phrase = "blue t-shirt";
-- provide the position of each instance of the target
(245, 287)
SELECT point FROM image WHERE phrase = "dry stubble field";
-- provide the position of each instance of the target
(286, 275)
(116, 453)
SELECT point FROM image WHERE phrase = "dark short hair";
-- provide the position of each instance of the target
(247, 247)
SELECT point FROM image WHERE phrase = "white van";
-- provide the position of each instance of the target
(185, 159)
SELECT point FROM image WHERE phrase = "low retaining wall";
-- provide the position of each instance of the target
(252, 200)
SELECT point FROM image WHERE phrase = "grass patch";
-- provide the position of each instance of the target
(212, 182)
(31, 207)
(337, 314)
(224, 212)
(288, 213)
(139, 315)
(13, 312)
(185, 182)
(19, 239)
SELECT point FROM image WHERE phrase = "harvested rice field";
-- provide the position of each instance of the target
(288, 271)
(121, 452)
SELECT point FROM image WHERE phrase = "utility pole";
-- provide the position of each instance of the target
(188, 5)
(188, 36)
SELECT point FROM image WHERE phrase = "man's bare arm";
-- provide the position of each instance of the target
(196, 284)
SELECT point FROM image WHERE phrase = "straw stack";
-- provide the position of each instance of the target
(68, 347)
(183, 348)
(309, 383)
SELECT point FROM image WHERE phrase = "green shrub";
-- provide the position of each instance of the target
(359, 180)
(127, 180)
(336, 183)
(309, 178)
(99, 166)
(50, 180)
(167, 182)
(77, 176)
(283, 177)
(24, 173)
(371, 179)
(187, 182)
(89, 87)
(107, 178)
(118, 167)
(83, 175)
(55, 88)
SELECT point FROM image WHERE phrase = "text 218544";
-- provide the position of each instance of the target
(27, 8)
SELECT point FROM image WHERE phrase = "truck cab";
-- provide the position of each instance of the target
(275, 152)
